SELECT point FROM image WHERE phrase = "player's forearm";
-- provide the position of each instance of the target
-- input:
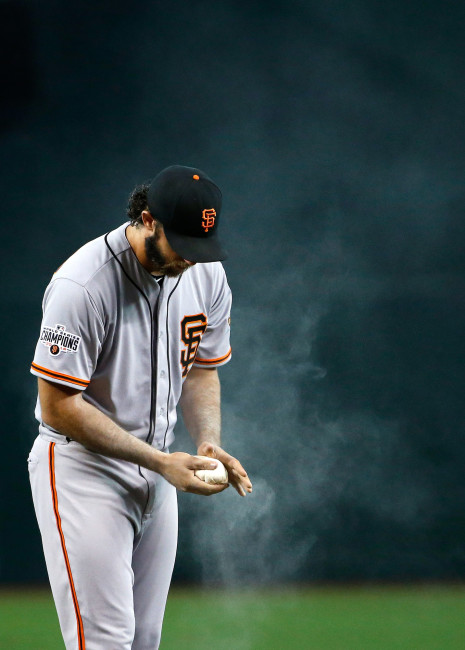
(76, 418)
(201, 405)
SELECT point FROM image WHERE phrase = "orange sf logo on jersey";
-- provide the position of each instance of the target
(192, 330)
(208, 218)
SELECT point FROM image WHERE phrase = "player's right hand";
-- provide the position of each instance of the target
(178, 469)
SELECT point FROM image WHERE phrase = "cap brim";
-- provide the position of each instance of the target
(196, 249)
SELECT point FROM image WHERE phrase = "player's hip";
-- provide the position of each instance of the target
(87, 475)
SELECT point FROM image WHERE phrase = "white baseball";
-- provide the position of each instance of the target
(216, 476)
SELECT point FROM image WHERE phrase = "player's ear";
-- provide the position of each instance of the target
(148, 221)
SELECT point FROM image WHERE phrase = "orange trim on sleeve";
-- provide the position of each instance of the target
(80, 626)
(52, 374)
(208, 362)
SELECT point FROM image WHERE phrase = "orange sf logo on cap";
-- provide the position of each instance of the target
(208, 218)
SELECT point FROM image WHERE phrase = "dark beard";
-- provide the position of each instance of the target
(161, 266)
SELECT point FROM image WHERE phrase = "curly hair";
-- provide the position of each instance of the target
(137, 203)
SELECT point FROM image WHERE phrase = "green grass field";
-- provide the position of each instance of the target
(320, 618)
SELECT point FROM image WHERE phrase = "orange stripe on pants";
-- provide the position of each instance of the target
(80, 627)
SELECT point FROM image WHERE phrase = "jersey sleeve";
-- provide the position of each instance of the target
(215, 348)
(71, 336)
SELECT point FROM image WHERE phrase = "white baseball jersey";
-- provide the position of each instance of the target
(109, 330)
(109, 527)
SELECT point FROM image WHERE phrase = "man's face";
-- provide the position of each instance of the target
(165, 261)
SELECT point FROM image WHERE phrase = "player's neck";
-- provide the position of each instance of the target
(136, 239)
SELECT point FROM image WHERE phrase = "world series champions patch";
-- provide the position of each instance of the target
(57, 339)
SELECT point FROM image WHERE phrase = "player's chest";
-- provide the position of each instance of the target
(176, 314)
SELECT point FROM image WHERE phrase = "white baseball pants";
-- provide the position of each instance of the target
(109, 532)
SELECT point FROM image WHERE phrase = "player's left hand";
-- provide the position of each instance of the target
(237, 475)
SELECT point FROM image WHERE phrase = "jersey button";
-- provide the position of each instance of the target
(162, 373)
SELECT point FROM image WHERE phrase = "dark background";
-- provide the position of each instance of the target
(336, 131)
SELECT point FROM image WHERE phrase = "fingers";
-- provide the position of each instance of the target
(179, 470)
(187, 482)
(201, 463)
(237, 474)
(205, 489)
(241, 485)
(238, 477)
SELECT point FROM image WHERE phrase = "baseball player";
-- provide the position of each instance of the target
(133, 323)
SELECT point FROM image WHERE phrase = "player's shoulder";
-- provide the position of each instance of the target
(209, 278)
(86, 262)
(208, 271)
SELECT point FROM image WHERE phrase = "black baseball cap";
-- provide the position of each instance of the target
(188, 204)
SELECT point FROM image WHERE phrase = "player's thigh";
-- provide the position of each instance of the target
(88, 541)
(153, 563)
